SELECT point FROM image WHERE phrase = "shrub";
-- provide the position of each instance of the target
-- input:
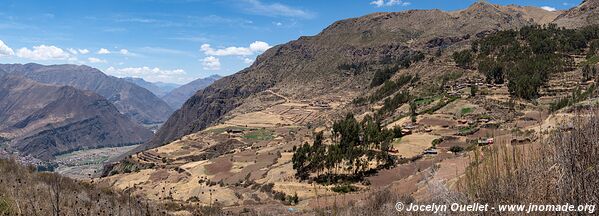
(344, 188)
(463, 58)
(456, 149)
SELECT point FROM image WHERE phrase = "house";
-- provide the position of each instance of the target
(430, 152)
(320, 104)
(409, 126)
(485, 141)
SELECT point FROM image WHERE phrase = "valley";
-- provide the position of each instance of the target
(493, 104)
(86, 164)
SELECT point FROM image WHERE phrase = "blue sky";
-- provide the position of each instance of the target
(180, 40)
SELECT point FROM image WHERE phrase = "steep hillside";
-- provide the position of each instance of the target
(582, 15)
(43, 120)
(341, 60)
(178, 96)
(158, 89)
(389, 106)
(130, 99)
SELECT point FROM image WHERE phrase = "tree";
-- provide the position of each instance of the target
(397, 132)
(588, 72)
(492, 70)
(354, 145)
(473, 90)
(300, 160)
(413, 113)
(463, 58)
(527, 57)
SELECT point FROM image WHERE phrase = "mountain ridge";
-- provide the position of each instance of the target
(43, 120)
(176, 97)
(152, 87)
(134, 101)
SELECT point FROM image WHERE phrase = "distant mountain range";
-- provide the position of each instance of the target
(44, 120)
(157, 88)
(132, 100)
(178, 96)
(48, 110)
(174, 94)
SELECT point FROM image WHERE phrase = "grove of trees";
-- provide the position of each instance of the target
(525, 58)
(356, 148)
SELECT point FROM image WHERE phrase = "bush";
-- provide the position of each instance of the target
(279, 196)
(456, 149)
(344, 188)
(360, 101)
(463, 58)
(437, 142)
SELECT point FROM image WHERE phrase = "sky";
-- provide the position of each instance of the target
(177, 41)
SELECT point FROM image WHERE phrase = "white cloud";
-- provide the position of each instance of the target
(547, 8)
(96, 60)
(151, 74)
(259, 46)
(248, 60)
(211, 63)
(124, 52)
(254, 48)
(5, 50)
(275, 9)
(44, 52)
(83, 51)
(103, 51)
(73, 51)
(388, 3)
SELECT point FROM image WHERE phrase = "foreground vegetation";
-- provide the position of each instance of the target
(26, 192)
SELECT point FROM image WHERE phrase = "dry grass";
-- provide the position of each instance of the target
(561, 168)
(24, 192)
